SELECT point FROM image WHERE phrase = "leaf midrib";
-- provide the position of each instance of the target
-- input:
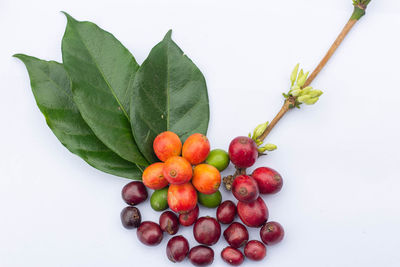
(103, 76)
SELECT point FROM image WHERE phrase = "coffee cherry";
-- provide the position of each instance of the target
(177, 170)
(226, 212)
(245, 188)
(153, 176)
(236, 235)
(206, 179)
(196, 148)
(210, 201)
(269, 181)
(158, 199)
(201, 255)
(272, 233)
(177, 248)
(255, 250)
(169, 222)
(253, 214)
(134, 193)
(166, 145)
(182, 198)
(219, 159)
(232, 256)
(189, 218)
(207, 231)
(130, 217)
(149, 233)
(243, 152)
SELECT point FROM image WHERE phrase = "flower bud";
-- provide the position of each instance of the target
(301, 81)
(303, 98)
(311, 101)
(267, 147)
(315, 93)
(294, 74)
(259, 130)
(295, 92)
(306, 90)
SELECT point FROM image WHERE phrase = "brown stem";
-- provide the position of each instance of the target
(331, 51)
(290, 102)
(287, 105)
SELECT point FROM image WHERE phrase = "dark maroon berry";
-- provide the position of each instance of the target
(233, 256)
(177, 248)
(130, 217)
(134, 193)
(255, 250)
(272, 233)
(269, 181)
(189, 218)
(169, 222)
(149, 233)
(207, 231)
(243, 152)
(201, 255)
(253, 214)
(236, 235)
(245, 189)
(226, 212)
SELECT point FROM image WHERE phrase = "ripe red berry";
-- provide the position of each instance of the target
(226, 212)
(272, 233)
(134, 193)
(169, 222)
(232, 256)
(243, 152)
(149, 233)
(245, 188)
(177, 248)
(236, 235)
(269, 181)
(207, 231)
(253, 214)
(255, 250)
(201, 255)
(130, 217)
(189, 218)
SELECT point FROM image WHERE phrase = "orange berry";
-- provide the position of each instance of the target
(153, 176)
(167, 144)
(177, 170)
(182, 198)
(206, 179)
(196, 148)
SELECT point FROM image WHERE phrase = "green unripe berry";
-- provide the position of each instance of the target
(219, 159)
(210, 201)
(158, 199)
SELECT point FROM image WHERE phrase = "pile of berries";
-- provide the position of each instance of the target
(190, 173)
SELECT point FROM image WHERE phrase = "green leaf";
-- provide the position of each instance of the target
(170, 94)
(102, 71)
(52, 90)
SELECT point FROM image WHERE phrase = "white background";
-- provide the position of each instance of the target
(339, 159)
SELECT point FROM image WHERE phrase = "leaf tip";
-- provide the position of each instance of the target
(168, 35)
(68, 16)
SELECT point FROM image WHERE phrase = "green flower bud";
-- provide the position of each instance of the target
(267, 147)
(306, 90)
(294, 74)
(258, 142)
(301, 81)
(315, 93)
(259, 130)
(296, 92)
(311, 101)
(303, 98)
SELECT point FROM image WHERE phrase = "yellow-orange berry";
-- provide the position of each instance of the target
(196, 148)
(206, 179)
(167, 144)
(177, 170)
(153, 176)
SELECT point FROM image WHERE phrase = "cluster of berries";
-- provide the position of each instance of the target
(190, 173)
